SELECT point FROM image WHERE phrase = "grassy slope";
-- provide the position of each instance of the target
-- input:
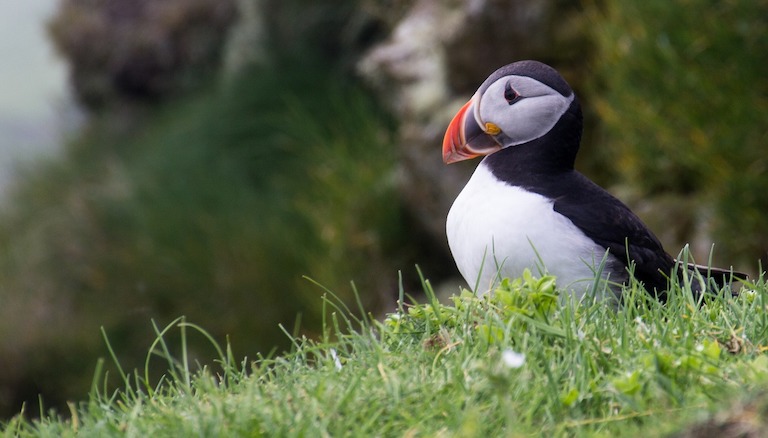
(450, 370)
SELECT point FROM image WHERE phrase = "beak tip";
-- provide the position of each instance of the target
(451, 157)
(449, 149)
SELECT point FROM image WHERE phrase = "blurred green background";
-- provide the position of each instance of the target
(231, 147)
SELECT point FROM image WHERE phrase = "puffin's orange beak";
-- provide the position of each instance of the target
(465, 139)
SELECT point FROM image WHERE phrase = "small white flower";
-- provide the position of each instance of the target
(512, 359)
(641, 325)
(336, 360)
(699, 347)
(580, 334)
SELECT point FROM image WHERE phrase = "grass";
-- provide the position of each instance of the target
(524, 361)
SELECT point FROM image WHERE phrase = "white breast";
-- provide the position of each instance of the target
(513, 229)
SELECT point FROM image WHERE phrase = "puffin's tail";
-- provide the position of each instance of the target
(708, 278)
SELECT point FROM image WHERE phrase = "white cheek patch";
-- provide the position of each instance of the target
(527, 119)
(533, 117)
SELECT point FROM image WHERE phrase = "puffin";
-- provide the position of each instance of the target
(526, 207)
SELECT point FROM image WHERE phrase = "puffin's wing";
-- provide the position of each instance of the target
(611, 224)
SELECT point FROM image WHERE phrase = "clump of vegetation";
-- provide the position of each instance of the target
(683, 102)
(510, 363)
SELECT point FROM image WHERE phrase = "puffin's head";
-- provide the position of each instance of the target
(518, 103)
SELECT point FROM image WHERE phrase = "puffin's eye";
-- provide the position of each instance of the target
(510, 94)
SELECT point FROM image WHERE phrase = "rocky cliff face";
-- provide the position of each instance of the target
(139, 50)
(435, 56)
